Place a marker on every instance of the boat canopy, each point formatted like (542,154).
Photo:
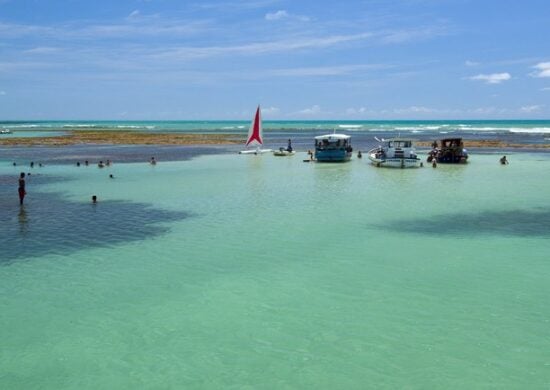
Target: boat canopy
(332,137)
(399,142)
(451,142)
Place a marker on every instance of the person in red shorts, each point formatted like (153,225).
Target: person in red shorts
(22,191)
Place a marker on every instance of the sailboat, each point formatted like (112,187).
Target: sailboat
(255,135)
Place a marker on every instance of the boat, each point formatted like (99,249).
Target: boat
(285,152)
(395,153)
(5,131)
(449,151)
(333,148)
(255,135)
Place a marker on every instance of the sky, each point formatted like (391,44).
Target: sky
(216,60)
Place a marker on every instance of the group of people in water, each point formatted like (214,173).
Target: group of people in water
(22,184)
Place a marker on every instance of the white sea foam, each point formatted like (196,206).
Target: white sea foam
(350,126)
(417,128)
(539,130)
(82,125)
(28,126)
(134,127)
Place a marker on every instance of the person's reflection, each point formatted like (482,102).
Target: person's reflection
(22,218)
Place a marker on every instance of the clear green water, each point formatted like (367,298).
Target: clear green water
(265,272)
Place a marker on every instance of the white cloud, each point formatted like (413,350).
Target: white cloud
(188,53)
(270,110)
(471,63)
(545,89)
(414,110)
(532,108)
(494,78)
(2,93)
(326,70)
(410,35)
(491,111)
(42,50)
(281,14)
(356,111)
(543,70)
(314,110)
(134,14)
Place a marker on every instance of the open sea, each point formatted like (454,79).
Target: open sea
(214,270)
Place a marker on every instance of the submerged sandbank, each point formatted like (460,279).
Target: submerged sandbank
(126,137)
(130,137)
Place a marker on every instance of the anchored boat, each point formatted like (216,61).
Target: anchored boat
(449,151)
(395,153)
(285,152)
(333,148)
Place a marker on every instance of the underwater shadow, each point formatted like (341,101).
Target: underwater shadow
(518,223)
(53,225)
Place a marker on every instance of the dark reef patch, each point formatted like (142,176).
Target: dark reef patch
(50,224)
(519,223)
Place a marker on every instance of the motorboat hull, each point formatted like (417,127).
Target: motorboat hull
(394,162)
(283,153)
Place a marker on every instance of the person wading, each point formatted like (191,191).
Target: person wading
(22,191)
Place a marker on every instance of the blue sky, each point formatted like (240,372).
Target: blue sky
(357,60)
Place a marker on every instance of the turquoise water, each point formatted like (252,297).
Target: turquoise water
(229,271)
(24,128)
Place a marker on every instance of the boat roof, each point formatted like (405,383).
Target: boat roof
(399,139)
(333,136)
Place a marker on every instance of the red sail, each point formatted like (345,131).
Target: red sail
(255,132)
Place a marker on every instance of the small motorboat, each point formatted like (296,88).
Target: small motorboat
(395,153)
(285,152)
(282,152)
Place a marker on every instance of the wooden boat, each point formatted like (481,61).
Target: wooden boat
(449,151)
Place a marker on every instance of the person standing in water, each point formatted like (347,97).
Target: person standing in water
(22,191)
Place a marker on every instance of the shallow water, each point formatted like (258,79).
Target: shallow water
(265,272)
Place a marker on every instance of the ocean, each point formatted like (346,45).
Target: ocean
(218,270)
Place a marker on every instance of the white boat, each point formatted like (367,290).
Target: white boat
(5,131)
(255,137)
(283,152)
(395,153)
